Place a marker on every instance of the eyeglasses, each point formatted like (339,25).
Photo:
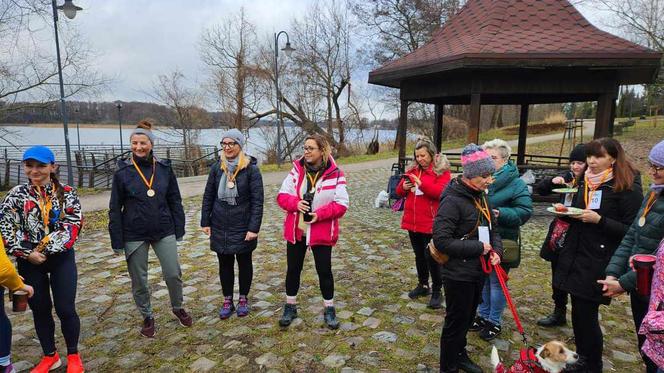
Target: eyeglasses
(227,144)
(654,168)
(309,148)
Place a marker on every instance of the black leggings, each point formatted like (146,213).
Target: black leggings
(559,296)
(424,262)
(322,257)
(227,272)
(461,300)
(588,336)
(59,273)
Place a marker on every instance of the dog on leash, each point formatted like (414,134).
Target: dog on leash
(552,357)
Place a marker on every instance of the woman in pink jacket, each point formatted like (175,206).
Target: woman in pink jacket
(314,197)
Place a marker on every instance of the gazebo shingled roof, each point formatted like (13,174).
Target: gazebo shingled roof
(518,52)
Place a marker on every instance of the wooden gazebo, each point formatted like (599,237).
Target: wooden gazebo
(517,52)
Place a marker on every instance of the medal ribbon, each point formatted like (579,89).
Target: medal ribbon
(140,173)
(484,209)
(588,195)
(651,201)
(45,205)
(312,181)
(225,169)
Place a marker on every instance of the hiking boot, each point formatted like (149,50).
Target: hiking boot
(464,363)
(434,302)
(419,291)
(74,363)
(47,363)
(8,368)
(557,318)
(330,316)
(490,331)
(290,314)
(478,324)
(242,307)
(148,329)
(227,309)
(183,317)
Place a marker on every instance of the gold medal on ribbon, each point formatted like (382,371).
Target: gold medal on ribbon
(151,192)
(230,185)
(642,221)
(652,197)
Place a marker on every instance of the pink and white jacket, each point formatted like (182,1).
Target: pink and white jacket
(330,204)
(652,325)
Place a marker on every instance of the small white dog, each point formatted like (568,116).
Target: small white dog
(552,357)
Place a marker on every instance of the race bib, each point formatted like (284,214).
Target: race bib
(483,234)
(595,201)
(569,197)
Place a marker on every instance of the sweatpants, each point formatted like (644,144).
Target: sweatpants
(461,300)
(295,254)
(136,253)
(424,263)
(227,272)
(57,274)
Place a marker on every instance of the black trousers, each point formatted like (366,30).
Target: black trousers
(295,254)
(559,296)
(423,262)
(588,336)
(227,272)
(639,310)
(57,274)
(461,300)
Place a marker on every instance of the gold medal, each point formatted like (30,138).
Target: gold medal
(151,193)
(147,183)
(230,185)
(642,221)
(651,201)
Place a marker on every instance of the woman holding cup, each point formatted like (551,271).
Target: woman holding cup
(643,237)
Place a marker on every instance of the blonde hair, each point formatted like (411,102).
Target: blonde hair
(440,162)
(322,144)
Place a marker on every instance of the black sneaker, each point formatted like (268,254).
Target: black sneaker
(466,364)
(435,301)
(490,331)
(148,329)
(330,317)
(478,324)
(290,314)
(419,291)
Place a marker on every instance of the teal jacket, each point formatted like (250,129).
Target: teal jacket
(638,240)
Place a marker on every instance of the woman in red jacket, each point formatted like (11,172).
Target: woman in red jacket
(422,186)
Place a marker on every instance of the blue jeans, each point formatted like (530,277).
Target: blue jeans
(493,300)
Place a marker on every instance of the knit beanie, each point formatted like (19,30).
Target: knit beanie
(234,134)
(578,154)
(476,162)
(656,155)
(144,127)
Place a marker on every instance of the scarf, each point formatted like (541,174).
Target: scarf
(600,178)
(225,193)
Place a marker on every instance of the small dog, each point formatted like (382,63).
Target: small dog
(552,357)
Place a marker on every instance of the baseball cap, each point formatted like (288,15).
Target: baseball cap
(39,153)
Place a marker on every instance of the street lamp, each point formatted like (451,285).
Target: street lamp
(118,105)
(69,9)
(280,121)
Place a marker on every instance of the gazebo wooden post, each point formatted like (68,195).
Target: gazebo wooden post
(605,114)
(523,134)
(438,126)
(474,120)
(402,130)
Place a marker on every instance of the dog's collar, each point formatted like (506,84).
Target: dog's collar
(529,359)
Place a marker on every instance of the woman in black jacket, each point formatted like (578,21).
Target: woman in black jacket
(463,231)
(610,196)
(231,215)
(146,210)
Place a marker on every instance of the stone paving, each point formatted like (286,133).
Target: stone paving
(381,329)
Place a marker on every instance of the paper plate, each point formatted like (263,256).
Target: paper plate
(570,211)
(565,190)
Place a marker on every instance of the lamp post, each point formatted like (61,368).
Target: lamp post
(280,121)
(118,105)
(69,9)
(78,131)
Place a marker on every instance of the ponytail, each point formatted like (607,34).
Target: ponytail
(60,190)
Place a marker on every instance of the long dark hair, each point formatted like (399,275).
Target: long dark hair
(623,169)
(60,190)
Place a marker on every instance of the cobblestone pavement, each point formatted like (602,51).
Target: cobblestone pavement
(373,264)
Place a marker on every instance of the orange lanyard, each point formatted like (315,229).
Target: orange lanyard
(484,209)
(651,201)
(225,169)
(312,181)
(45,205)
(140,173)
(588,195)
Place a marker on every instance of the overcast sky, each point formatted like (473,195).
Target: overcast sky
(137,40)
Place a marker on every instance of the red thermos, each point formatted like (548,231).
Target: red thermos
(644,265)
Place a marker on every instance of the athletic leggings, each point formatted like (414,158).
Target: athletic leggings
(5,327)
(227,272)
(59,274)
(322,257)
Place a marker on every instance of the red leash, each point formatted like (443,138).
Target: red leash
(487,267)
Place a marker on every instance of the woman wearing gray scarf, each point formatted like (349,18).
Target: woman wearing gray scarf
(231,215)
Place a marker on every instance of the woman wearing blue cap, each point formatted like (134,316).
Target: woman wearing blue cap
(146,210)
(47,216)
(231,215)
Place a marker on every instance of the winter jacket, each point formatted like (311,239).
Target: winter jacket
(9,278)
(654,319)
(638,240)
(588,247)
(510,196)
(455,235)
(229,224)
(22,225)
(420,210)
(133,216)
(330,204)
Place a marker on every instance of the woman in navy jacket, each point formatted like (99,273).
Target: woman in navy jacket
(231,215)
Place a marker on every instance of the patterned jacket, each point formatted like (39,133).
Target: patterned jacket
(22,225)
(653,323)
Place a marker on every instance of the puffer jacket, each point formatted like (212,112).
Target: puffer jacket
(229,224)
(638,240)
(419,211)
(133,216)
(654,343)
(454,233)
(330,204)
(588,247)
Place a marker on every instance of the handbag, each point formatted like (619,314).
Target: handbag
(558,234)
(439,257)
(511,251)
(399,204)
